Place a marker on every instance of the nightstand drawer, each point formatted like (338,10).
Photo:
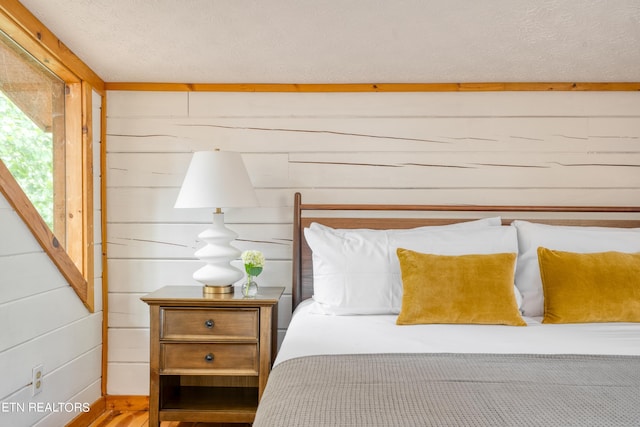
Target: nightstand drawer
(220,358)
(209,324)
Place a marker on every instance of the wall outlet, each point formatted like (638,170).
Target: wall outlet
(36,378)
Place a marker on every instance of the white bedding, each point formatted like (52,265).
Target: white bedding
(316,334)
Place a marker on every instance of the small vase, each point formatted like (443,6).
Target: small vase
(249,288)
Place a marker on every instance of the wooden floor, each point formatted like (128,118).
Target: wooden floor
(141,419)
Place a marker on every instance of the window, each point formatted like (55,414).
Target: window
(46,145)
(32,134)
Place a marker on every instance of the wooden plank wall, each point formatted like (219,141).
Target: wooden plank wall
(528,148)
(42,321)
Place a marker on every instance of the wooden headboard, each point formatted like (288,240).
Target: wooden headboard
(409,216)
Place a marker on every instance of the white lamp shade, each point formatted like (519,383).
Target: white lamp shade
(216,179)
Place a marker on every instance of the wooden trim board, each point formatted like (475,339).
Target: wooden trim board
(40,230)
(127,403)
(375,87)
(85,418)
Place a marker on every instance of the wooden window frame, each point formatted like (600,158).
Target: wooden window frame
(76,259)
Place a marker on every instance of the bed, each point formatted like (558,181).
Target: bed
(460,316)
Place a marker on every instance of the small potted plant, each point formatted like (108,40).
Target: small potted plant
(253,264)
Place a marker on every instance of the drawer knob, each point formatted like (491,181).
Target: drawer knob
(209,324)
(209,357)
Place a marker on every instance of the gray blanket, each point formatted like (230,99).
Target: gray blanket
(452,390)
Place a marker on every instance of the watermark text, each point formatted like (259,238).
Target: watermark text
(44,407)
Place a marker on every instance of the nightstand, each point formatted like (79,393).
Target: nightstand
(210,354)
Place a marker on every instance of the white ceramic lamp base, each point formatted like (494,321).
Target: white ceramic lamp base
(218,275)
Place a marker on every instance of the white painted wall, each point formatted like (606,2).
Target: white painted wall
(525,148)
(42,321)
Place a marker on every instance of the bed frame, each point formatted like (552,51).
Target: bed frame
(409,216)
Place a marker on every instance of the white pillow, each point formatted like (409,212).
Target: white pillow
(357,271)
(564,238)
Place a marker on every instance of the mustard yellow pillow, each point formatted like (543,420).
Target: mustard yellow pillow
(595,287)
(470,289)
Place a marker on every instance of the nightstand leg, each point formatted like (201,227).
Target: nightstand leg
(154,368)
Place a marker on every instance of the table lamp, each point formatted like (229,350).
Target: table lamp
(217,179)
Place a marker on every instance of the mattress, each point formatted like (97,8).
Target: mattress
(317,334)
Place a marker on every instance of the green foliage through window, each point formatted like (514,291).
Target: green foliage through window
(27,151)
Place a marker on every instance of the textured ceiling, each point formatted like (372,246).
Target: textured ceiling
(350,41)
